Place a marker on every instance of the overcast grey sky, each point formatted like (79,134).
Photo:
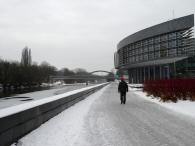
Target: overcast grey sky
(78,33)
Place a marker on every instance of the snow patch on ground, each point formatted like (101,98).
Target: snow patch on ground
(67,126)
(185,107)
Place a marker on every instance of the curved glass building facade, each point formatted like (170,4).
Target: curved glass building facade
(162,51)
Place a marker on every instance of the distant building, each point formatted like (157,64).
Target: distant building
(163,51)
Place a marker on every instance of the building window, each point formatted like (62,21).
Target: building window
(157,47)
(145,42)
(140,57)
(145,49)
(181,51)
(136,58)
(133,46)
(151,55)
(133,52)
(146,56)
(172,52)
(163,49)
(157,54)
(172,36)
(179,34)
(179,43)
(141,50)
(150,41)
(130,59)
(136,51)
(157,40)
(138,45)
(191,50)
(133,59)
(151,48)
(163,53)
(130,53)
(164,38)
(172,44)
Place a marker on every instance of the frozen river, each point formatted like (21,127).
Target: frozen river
(100,120)
(27,97)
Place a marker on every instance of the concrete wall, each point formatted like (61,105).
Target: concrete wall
(15,126)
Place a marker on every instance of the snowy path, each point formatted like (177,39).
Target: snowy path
(100,120)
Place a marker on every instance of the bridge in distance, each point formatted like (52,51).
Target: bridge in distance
(90,76)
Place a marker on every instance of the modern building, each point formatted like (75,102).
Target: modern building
(163,51)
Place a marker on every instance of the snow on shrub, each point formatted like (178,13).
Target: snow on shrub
(171,89)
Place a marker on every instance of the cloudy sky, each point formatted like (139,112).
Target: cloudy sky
(79,33)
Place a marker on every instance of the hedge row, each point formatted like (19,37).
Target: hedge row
(172,89)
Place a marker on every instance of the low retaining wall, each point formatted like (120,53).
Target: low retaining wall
(15,122)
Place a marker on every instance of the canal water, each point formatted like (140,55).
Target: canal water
(20,91)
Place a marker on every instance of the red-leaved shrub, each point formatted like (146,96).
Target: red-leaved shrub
(171,89)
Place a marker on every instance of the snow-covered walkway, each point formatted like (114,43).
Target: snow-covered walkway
(100,120)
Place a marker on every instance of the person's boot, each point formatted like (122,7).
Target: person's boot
(124,100)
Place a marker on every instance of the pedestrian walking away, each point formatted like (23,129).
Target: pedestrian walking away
(122,89)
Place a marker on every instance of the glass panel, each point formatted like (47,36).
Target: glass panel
(133,52)
(163,49)
(172,36)
(164,38)
(179,35)
(145,56)
(136,51)
(181,51)
(145,42)
(140,57)
(172,44)
(136,58)
(145,49)
(130,53)
(157,47)
(157,54)
(133,59)
(141,50)
(157,40)
(179,43)
(138,45)
(150,41)
(172,52)
(151,55)
(151,48)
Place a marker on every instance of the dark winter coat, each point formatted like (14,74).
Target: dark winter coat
(122,87)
